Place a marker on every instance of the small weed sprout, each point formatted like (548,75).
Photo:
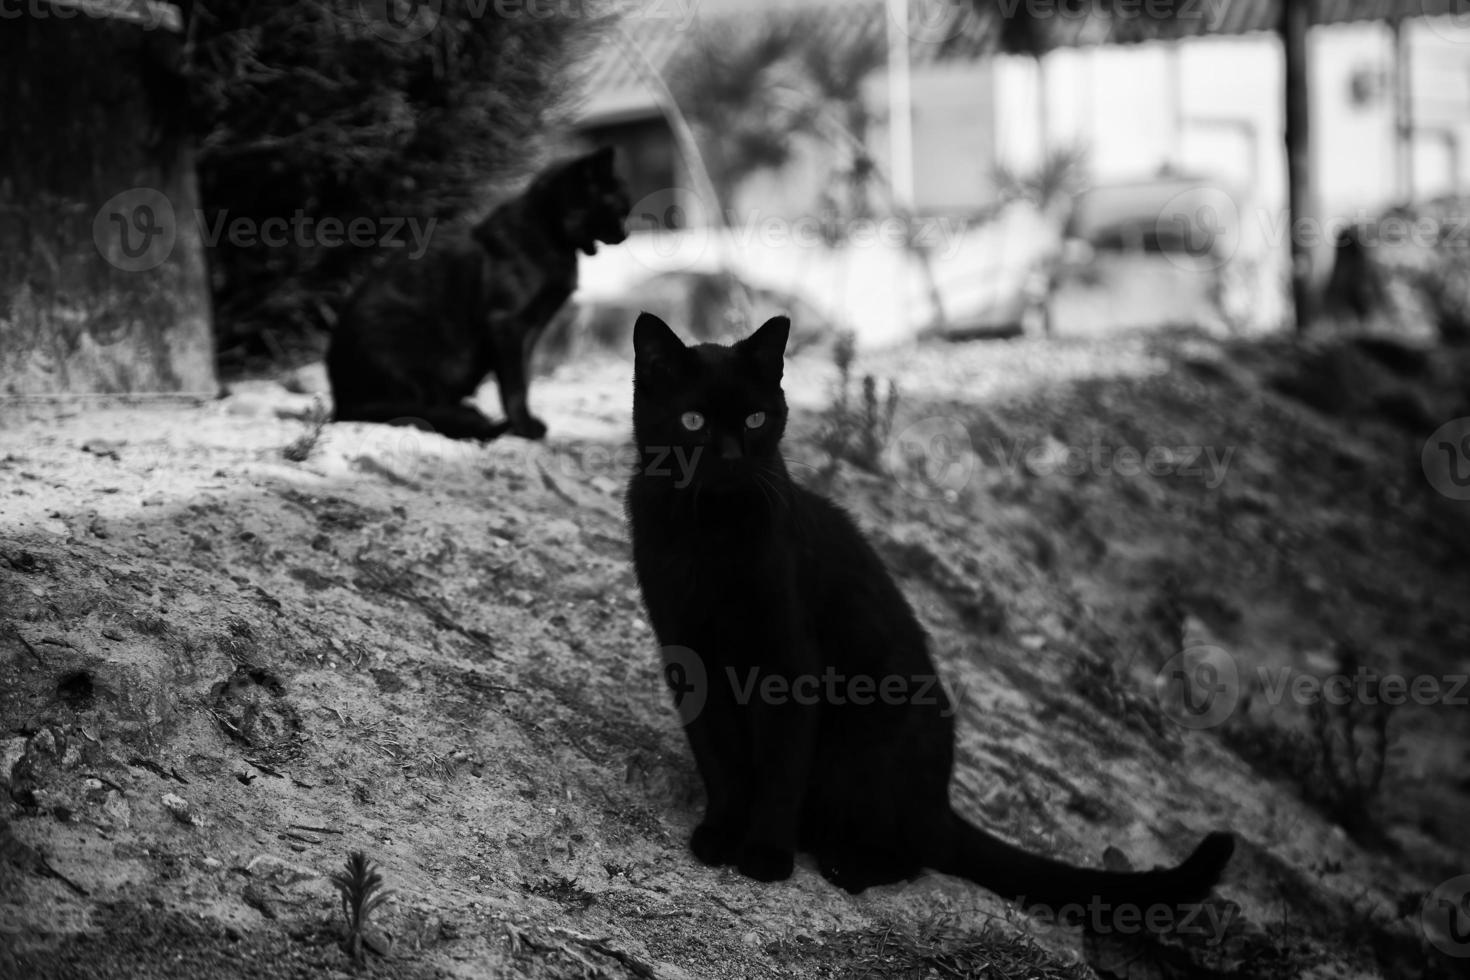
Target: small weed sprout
(855,432)
(362,891)
(316,420)
(1352,738)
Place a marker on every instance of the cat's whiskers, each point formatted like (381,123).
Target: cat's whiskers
(801,462)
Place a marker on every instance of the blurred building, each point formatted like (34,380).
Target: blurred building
(1203,98)
(1174,126)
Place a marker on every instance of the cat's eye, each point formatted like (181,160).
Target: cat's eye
(755,420)
(692,421)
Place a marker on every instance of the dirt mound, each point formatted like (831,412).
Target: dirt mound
(222,671)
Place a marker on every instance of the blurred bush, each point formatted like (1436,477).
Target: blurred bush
(384,109)
(1410,266)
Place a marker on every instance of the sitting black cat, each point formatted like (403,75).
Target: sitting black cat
(821,728)
(418,338)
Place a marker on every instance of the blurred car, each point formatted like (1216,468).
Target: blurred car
(1144,254)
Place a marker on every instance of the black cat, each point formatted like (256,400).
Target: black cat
(821,728)
(419,337)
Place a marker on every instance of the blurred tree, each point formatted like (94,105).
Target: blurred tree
(380,109)
(739,85)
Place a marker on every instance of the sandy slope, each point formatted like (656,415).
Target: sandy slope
(221,671)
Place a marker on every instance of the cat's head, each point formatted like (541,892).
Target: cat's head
(715,411)
(589,198)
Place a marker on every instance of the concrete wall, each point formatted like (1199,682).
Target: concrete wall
(103,286)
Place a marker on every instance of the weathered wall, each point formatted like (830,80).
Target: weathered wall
(103,286)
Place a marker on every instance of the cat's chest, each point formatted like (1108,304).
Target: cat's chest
(719,581)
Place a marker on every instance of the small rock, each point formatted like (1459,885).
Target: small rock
(11,751)
(211,864)
(279,869)
(43,742)
(113,633)
(104,448)
(181,810)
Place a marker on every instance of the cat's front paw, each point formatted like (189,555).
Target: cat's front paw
(713,846)
(764,862)
(529,427)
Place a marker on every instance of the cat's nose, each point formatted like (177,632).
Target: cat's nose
(730,448)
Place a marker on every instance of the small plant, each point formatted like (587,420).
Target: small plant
(316,420)
(1353,740)
(1338,761)
(856,432)
(362,891)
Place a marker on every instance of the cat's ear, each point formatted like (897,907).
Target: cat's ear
(656,348)
(767,346)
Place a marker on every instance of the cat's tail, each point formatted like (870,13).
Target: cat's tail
(1013,873)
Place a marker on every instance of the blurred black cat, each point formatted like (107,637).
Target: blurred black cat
(808,693)
(419,337)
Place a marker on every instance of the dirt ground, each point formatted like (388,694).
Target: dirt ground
(221,671)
